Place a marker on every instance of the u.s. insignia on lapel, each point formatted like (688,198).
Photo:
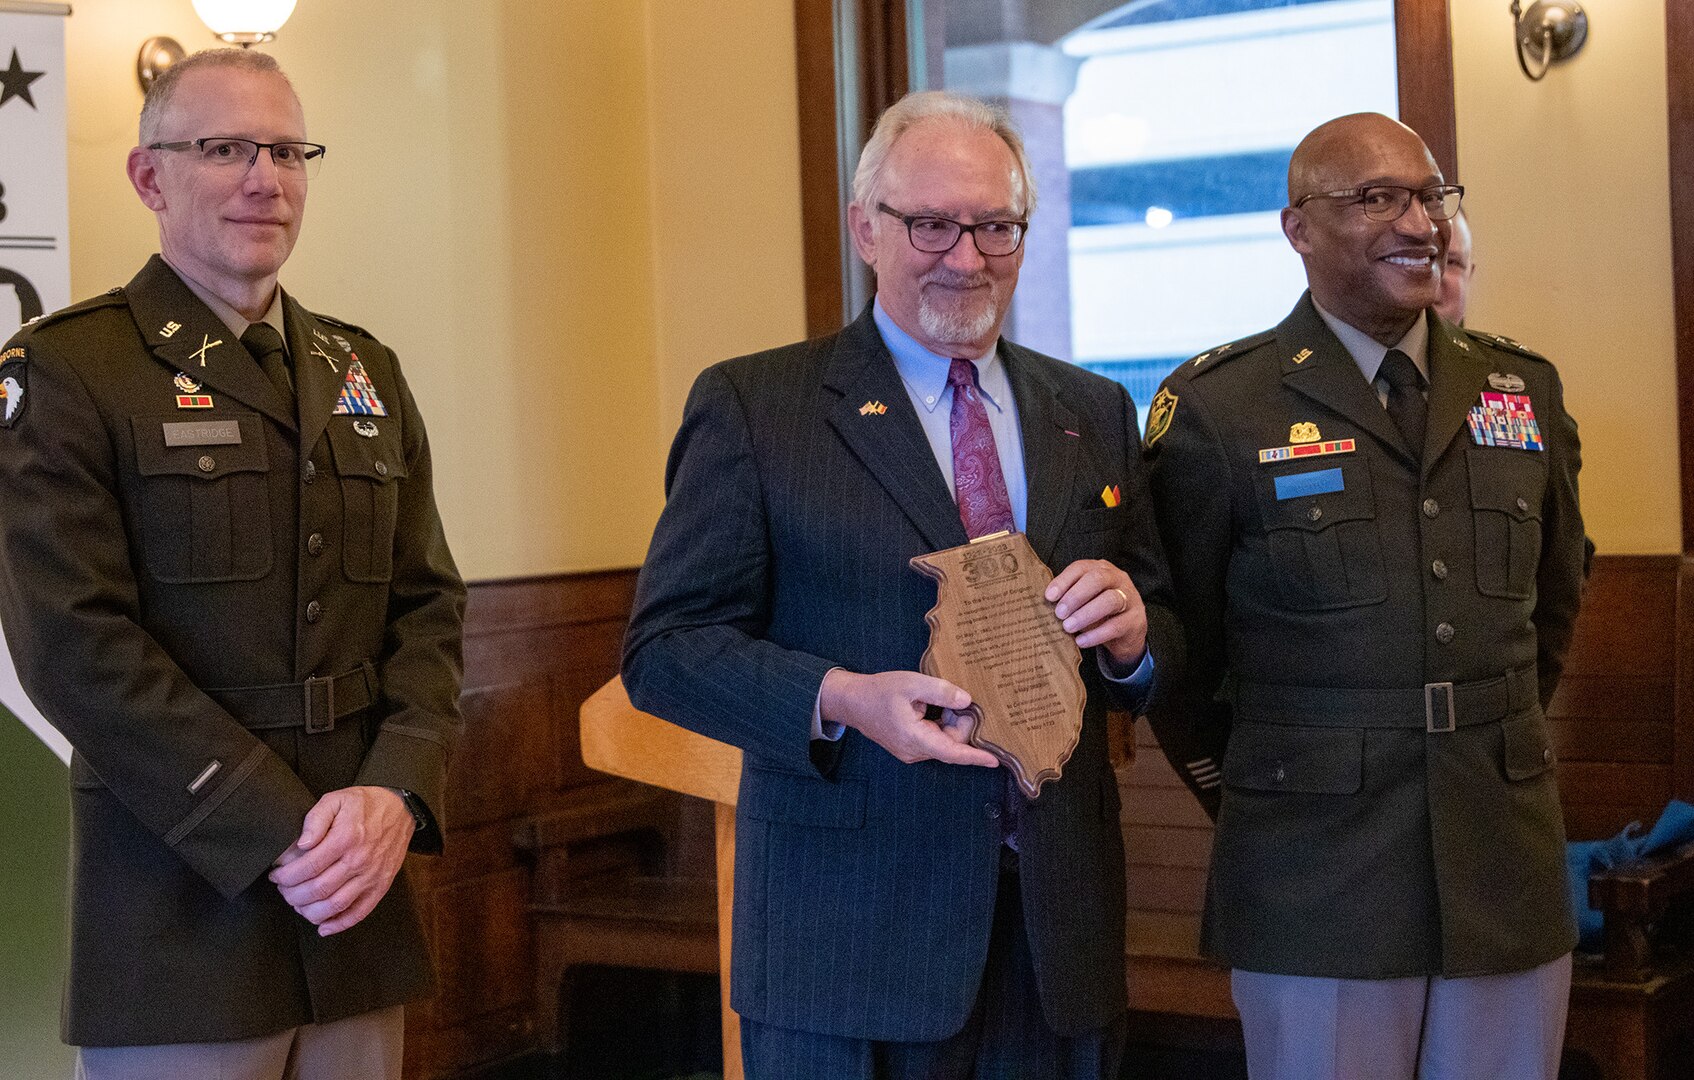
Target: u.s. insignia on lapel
(358,396)
(1302,356)
(872,408)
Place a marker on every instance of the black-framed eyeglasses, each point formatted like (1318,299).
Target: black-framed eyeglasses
(292,159)
(1386,202)
(937,235)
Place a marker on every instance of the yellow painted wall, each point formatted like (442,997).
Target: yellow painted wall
(1567,185)
(556,213)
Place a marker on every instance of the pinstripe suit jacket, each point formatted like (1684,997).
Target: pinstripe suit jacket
(864,888)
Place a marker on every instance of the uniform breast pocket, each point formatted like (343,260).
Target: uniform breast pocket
(369,469)
(1320,528)
(205,510)
(1506,489)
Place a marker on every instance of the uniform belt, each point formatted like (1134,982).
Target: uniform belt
(1434,707)
(315,704)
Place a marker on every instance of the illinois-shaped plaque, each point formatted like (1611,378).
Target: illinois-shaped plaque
(993,632)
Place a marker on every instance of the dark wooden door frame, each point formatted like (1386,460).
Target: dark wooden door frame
(868,38)
(1679,74)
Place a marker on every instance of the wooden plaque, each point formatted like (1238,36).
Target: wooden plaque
(993,633)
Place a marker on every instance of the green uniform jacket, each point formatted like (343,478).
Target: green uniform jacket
(1328,598)
(145,571)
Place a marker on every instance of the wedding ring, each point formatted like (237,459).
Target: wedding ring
(1123,607)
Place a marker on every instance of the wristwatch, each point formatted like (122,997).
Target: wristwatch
(415,807)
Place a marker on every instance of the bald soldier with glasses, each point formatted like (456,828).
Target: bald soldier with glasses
(1372,525)
(223,578)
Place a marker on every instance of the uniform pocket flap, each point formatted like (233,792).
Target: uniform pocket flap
(1310,760)
(1310,495)
(1529,751)
(373,457)
(208,461)
(1509,481)
(795,799)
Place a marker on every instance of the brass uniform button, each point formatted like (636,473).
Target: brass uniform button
(382,468)
(1439,569)
(315,544)
(1315,513)
(1523,505)
(314,611)
(311,470)
(1431,508)
(206,463)
(1444,633)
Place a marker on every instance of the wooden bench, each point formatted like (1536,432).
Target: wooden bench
(599,896)
(1632,1008)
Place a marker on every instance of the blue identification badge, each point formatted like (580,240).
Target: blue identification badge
(1321,482)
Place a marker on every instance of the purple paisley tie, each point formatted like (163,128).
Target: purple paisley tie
(985,508)
(978,483)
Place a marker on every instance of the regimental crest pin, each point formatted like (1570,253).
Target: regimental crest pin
(1506,383)
(1304,432)
(1160,414)
(186,383)
(872,408)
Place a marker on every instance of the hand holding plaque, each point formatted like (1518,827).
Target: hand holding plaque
(993,632)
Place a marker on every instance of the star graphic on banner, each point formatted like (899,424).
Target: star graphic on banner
(14,82)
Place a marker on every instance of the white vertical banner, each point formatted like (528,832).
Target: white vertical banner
(35,263)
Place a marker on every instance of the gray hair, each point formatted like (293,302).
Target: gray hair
(936,106)
(158,99)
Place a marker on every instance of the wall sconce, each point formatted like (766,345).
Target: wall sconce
(1554,30)
(235,22)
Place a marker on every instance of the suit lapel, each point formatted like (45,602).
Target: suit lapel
(185,336)
(1457,377)
(320,368)
(891,445)
(1049,455)
(1316,365)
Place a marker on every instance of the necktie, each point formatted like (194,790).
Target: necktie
(1406,406)
(984,507)
(978,483)
(262,340)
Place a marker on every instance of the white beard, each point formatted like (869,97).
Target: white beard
(957,326)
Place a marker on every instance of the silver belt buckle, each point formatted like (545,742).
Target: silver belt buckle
(320,704)
(1438,718)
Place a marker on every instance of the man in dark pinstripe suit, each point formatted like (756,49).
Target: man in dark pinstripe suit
(898,912)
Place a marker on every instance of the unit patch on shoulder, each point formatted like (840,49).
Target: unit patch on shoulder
(14,383)
(13,354)
(1160,415)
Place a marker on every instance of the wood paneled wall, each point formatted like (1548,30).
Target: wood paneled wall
(534,650)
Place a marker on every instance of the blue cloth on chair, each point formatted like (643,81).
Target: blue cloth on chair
(1584,858)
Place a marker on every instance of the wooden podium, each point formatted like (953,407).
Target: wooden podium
(620,739)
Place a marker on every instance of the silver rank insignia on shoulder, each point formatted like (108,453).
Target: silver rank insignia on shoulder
(365,428)
(186,383)
(1506,384)
(169,329)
